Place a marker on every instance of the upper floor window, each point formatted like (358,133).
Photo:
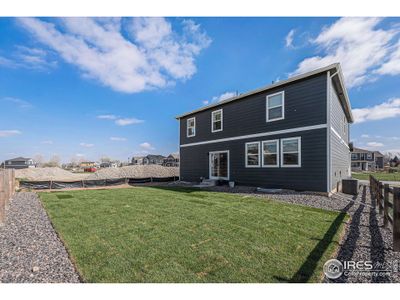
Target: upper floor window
(354,156)
(276,106)
(252,154)
(191,127)
(369,155)
(270,150)
(216,120)
(291,152)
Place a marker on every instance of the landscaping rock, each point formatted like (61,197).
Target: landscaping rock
(30,250)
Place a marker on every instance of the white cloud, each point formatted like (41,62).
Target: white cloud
(29,58)
(79,155)
(389,109)
(392,66)
(357,44)
(17,101)
(86,145)
(128,121)
(220,98)
(107,117)
(146,146)
(224,96)
(6,62)
(154,55)
(118,139)
(48,142)
(375,144)
(8,133)
(289,39)
(365,136)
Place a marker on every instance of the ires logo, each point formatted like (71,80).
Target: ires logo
(334,268)
(359,265)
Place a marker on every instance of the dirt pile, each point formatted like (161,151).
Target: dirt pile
(136,171)
(58,174)
(43,174)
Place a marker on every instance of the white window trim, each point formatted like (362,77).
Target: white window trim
(298,138)
(194,127)
(283,106)
(259,151)
(212,120)
(277,154)
(209,165)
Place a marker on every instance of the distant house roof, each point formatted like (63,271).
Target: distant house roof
(174,155)
(19,159)
(155,156)
(359,150)
(338,81)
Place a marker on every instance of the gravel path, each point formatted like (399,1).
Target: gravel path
(30,250)
(365,239)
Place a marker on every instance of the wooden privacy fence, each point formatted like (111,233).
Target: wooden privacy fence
(7,190)
(388,201)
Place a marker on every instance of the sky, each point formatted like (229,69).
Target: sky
(92,87)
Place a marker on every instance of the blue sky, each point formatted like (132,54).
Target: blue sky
(93,87)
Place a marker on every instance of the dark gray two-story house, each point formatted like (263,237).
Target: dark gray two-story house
(364,160)
(293,134)
(18,163)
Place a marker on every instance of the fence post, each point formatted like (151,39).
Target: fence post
(380,197)
(371,189)
(13,181)
(396,219)
(6,185)
(386,205)
(2,198)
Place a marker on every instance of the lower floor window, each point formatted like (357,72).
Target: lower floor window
(253,154)
(291,152)
(274,153)
(270,153)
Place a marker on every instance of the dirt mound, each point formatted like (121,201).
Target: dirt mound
(136,171)
(43,174)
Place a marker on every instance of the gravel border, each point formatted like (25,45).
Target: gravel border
(30,250)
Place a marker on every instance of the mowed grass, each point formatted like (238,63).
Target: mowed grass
(378,175)
(150,234)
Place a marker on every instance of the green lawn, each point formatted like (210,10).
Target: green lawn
(377,175)
(150,234)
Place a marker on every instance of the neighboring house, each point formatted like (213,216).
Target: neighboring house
(87,164)
(394,162)
(153,159)
(109,165)
(364,160)
(171,160)
(137,160)
(293,134)
(19,163)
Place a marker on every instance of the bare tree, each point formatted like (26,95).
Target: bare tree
(53,162)
(38,158)
(105,159)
